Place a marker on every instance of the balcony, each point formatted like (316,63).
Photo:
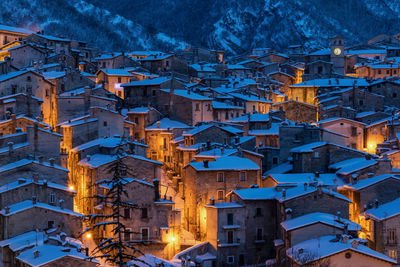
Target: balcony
(231,226)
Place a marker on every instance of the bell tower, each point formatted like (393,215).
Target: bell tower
(337,54)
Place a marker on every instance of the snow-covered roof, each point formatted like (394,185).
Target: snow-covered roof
(324,247)
(53,74)
(148,82)
(23,182)
(334,119)
(265,193)
(332,82)
(225,205)
(319,217)
(48,253)
(301,178)
(384,211)
(187,94)
(28,204)
(308,147)
(156,57)
(140,110)
(167,123)
(230,163)
(24,240)
(198,129)
(52,38)
(108,56)
(349,166)
(273,130)
(11,75)
(116,72)
(250,98)
(257,117)
(371,181)
(216,152)
(109,142)
(151,260)
(24,162)
(14,29)
(222,105)
(202,68)
(97,160)
(281,168)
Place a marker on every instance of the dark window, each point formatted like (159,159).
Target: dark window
(119,79)
(220,177)
(361,102)
(230,237)
(353,131)
(394,95)
(136,120)
(28,78)
(274,160)
(226,115)
(144,213)
(259,234)
(104,123)
(258,212)
(145,234)
(127,234)
(197,107)
(379,72)
(50,224)
(230,218)
(220,194)
(127,213)
(154,92)
(319,69)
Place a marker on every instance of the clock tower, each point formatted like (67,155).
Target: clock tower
(337,54)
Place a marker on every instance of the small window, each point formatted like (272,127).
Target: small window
(394,95)
(316,154)
(353,131)
(230,218)
(145,233)
(197,106)
(28,78)
(136,120)
(230,237)
(220,177)
(361,103)
(154,92)
(259,235)
(392,237)
(104,123)
(242,176)
(274,160)
(52,198)
(230,259)
(379,72)
(144,214)
(393,253)
(119,80)
(50,224)
(127,213)
(127,234)
(258,212)
(220,194)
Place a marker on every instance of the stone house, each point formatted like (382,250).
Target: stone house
(336,251)
(68,79)
(185,106)
(31,83)
(153,226)
(201,71)
(9,34)
(159,136)
(115,61)
(142,117)
(251,103)
(44,170)
(297,111)
(314,225)
(113,78)
(317,70)
(389,88)
(56,44)
(383,231)
(164,63)
(20,104)
(224,112)
(225,223)
(24,55)
(351,128)
(214,179)
(378,132)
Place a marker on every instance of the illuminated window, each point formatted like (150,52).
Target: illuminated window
(393,254)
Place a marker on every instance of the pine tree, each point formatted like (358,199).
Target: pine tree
(114,249)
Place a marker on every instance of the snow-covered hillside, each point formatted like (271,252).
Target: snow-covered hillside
(232,25)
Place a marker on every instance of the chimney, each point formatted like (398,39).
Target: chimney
(345,239)
(376,203)
(10,147)
(354,243)
(212,201)
(316,175)
(7,210)
(156,184)
(319,189)
(51,160)
(205,163)
(34,200)
(36,254)
(41,159)
(158,124)
(88,157)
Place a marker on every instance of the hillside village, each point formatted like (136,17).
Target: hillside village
(270,158)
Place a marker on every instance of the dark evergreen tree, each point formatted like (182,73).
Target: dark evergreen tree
(114,249)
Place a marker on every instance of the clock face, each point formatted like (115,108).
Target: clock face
(337,51)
